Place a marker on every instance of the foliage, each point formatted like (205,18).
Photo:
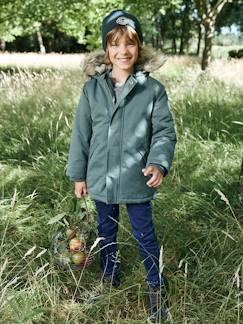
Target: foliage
(231,14)
(176,21)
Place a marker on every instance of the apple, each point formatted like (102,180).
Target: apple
(75,244)
(78,257)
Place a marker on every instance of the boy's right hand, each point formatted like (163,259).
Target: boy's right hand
(81,189)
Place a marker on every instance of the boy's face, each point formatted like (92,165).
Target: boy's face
(123,53)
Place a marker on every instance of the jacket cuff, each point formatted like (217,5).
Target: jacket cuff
(161,167)
(77,179)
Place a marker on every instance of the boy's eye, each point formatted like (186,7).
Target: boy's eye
(116,44)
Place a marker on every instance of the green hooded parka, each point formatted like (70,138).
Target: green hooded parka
(112,142)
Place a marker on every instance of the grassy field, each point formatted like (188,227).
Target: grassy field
(198,213)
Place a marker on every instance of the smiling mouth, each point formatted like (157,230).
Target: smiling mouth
(124,59)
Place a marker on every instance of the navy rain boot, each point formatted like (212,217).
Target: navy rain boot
(159,307)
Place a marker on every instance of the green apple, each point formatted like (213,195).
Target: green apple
(78,257)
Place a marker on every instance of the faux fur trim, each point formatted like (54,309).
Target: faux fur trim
(149,61)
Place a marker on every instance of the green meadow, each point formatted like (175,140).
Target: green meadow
(198,212)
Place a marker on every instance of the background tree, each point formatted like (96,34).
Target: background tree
(231,14)
(185,25)
(161,20)
(79,19)
(66,25)
(208,11)
(10,24)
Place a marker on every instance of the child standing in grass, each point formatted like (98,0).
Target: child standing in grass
(122,146)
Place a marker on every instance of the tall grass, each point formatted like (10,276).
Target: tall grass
(198,214)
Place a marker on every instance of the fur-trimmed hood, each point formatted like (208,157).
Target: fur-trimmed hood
(149,62)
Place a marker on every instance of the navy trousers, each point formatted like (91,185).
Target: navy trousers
(143,230)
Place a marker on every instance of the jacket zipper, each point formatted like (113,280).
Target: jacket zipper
(109,95)
(121,156)
(113,101)
(121,143)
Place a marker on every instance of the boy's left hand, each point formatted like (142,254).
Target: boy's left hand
(157,176)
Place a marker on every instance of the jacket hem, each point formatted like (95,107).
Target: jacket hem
(122,200)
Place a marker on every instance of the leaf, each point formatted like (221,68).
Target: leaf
(3,267)
(56,218)
(161,263)
(181,263)
(14,199)
(222,196)
(23,220)
(227,234)
(96,243)
(13,282)
(29,252)
(65,222)
(41,253)
(237,122)
(81,215)
(41,269)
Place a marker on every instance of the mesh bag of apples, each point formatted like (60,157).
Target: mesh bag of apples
(70,247)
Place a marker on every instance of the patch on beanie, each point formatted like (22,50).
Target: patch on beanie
(125,21)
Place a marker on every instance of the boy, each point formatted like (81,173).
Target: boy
(124,132)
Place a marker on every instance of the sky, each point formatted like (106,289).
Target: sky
(233,29)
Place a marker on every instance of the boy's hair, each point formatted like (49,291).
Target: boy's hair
(116,33)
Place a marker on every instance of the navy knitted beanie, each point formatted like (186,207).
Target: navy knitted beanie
(120,18)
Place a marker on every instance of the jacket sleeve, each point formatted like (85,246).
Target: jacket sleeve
(80,140)
(164,137)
